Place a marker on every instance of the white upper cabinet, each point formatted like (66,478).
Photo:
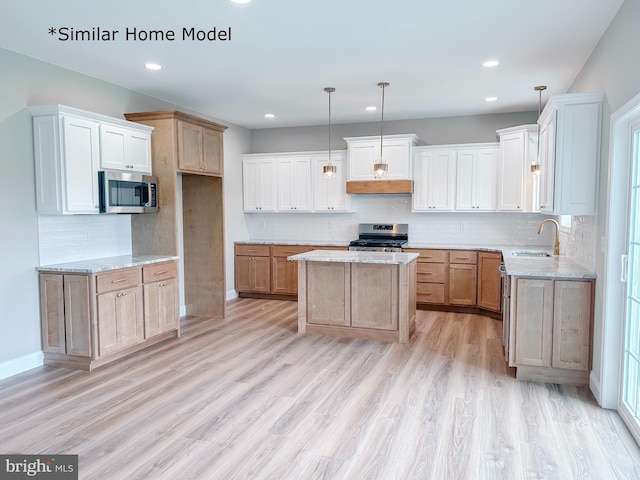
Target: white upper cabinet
(294,185)
(518,150)
(364,152)
(66,162)
(259,184)
(330,194)
(68,148)
(434,176)
(570,128)
(294,182)
(125,148)
(476,168)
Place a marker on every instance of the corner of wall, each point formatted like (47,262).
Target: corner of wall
(21,364)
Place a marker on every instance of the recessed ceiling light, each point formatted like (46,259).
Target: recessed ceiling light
(152,66)
(240,1)
(491,63)
(491,99)
(269,115)
(371,109)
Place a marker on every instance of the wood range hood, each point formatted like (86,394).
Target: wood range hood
(380,186)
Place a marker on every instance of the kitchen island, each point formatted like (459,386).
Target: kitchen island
(357,294)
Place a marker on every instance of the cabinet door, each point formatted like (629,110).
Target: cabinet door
(113,140)
(120,320)
(81,153)
(253,274)
(362,155)
(330,194)
(139,151)
(160,307)
(511,179)
(77,314)
(462,284)
(259,185)
(294,184)
(489,281)
(571,325)
(465,180)
(189,147)
(328,293)
(434,180)
(284,276)
(547,164)
(52,312)
(212,151)
(533,322)
(485,179)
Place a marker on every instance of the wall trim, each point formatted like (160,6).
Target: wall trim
(231,294)
(21,364)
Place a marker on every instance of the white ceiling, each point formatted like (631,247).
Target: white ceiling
(282,53)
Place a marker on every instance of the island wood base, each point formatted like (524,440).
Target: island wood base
(361,300)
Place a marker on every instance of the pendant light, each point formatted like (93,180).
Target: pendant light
(380,168)
(329,169)
(535,167)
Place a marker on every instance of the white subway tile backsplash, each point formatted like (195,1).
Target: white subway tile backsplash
(81,237)
(475,228)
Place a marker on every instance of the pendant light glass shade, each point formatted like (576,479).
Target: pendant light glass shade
(329,170)
(535,167)
(380,168)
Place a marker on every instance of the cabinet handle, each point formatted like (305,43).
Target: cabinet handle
(119,280)
(461,258)
(161,273)
(122,294)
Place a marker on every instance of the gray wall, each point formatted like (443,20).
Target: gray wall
(613,69)
(25,81)
(430,131)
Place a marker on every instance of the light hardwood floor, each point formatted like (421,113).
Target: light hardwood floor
(248,397)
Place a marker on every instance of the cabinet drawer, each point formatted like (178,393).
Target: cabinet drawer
(159,271)
(463,256)
(429,256)
(430,293)
(287,250)
(431,272)
(117,280)
(253,250)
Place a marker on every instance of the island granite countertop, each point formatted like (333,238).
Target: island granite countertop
(97,265)
(389,258)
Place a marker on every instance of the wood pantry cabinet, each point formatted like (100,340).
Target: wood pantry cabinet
(91,319)
(200,147)
(550,334)
(185,152)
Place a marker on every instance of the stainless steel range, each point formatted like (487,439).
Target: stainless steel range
(381,237)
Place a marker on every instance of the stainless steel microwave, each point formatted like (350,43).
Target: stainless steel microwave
(122,192)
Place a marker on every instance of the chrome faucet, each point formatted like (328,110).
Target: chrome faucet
(556,250)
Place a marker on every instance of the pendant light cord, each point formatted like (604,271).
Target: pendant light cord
(329,91)
(382,117)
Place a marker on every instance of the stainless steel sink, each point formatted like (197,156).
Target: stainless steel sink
(530,253)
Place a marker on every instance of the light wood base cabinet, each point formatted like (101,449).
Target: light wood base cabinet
(550,335)
(92,319)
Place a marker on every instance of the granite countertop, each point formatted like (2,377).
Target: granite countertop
(551,267)
(325,243)
(389,258)
(97,265)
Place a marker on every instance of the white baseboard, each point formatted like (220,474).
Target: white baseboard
(231,294)
(594,385)
(21,364)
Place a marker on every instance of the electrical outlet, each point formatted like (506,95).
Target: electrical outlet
(463,226)
(85,235)
(263,224)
